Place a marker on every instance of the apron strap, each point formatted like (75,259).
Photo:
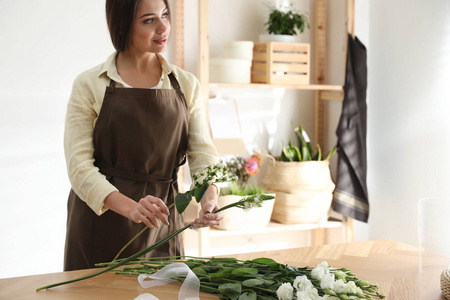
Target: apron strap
(140,177)
(175,84)
(111,83)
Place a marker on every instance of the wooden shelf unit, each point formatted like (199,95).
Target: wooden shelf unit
(323,92)
(210,241)
(309,87)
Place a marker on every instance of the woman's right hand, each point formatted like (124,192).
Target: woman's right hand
(148,210)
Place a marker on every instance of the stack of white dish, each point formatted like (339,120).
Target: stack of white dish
(235,67)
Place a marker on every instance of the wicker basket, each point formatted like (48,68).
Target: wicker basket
(303,191)
(295,177)
(445,282)
(304,207)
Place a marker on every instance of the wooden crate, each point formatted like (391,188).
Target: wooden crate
(281,63)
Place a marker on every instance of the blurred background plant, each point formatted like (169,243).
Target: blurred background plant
(243,168)
(304,150)
(242,190)
(285,20)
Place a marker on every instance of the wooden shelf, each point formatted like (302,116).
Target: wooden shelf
(310,87)
(275,236)
(274,227)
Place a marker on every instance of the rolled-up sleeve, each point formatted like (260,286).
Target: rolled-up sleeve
(86,180)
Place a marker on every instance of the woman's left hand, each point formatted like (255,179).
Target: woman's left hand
(208,205)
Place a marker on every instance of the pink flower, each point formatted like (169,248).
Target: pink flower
(251,166)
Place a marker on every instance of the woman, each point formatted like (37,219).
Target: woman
(130,123)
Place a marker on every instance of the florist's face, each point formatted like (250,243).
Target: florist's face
(151,27)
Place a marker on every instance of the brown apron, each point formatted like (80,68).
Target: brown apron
(140,140)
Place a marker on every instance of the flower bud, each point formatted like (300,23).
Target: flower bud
(363,283)
(340,275)
(329,292)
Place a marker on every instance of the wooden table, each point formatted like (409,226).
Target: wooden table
(389,264)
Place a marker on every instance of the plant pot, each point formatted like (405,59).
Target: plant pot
(282,38)
(238,218)
(230,70)
(303,190)
(238,50)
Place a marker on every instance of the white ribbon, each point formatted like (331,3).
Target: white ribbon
(189,289)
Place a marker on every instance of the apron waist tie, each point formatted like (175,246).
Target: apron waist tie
(114,172)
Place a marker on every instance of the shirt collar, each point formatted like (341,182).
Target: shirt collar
(109,67)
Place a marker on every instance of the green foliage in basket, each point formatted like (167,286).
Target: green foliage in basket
(304,150)
(286,22)
(242,190)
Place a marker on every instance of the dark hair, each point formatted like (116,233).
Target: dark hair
(120,15)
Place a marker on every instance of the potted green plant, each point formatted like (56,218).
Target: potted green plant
(283,24)
(302,182)
(243,168)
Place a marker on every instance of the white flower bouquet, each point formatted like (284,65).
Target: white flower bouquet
(263,278)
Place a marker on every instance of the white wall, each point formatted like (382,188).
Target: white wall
(45,44)
(408,127)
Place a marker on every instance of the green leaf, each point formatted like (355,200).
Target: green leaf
(199,271)
(210,269)
(306,155)
(248,295)
(199,192)
(268,282)
(231,290)
(263,297)
(223,260)
(252,282)
(331,153)
(192,264)
(220,275)
(244,271)
(318,155)
(284,155)
(227,269)
(264,261)
(182,201)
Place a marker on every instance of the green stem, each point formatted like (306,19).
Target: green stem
(122,262)
(135,237)
(132,257)
(150,260)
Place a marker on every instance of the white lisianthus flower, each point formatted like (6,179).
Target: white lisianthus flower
(313,294)
(351,288)
(320,270)
(339,286)
(303,295)
(327,281)
(310,294)
(285,292)
(329,297)
(302,283)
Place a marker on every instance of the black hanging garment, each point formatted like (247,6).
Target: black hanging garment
(350,196)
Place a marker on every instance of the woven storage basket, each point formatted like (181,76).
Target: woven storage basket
(304,207)
(303,191)
(238,218)
(295,177)
(445,282)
